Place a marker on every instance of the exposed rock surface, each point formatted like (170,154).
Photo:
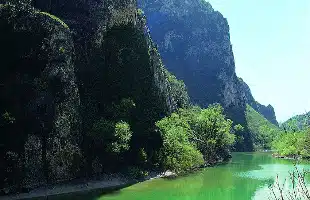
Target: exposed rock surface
(194,41)
(64,63)
(38,94)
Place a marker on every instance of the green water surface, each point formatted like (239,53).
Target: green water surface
(246,177)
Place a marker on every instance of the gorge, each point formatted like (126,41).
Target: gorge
(90,87)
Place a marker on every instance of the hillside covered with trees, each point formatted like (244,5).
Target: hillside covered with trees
(295,137)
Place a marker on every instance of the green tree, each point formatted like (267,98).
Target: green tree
(178,153)
(114,137)
(212,132)
(191,134)
(122,136)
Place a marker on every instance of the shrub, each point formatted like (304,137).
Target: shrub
(114,137)
(122,136)
(297,191)
(136,173)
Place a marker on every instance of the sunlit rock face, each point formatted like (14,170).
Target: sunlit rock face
(194,41)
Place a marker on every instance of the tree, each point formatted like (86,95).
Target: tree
(114,137)
(191,134)
(122,136)
(212,131)
(178,153)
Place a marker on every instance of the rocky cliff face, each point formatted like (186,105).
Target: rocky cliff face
(266,111)
(64,65)
(194,42)
(39,97)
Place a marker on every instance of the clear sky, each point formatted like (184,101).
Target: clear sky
(271,44)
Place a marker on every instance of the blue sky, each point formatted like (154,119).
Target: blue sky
(271,43)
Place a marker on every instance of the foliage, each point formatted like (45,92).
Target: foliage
(293,144)
(136,173)
(140,12)
(114,136)
(178,90)
(8,118)
(122,110)
(263,132)
(142,156)
(122,136)
(238,127)
(62,50)
(178,153)
(191,134)
(212,131)
(297,123)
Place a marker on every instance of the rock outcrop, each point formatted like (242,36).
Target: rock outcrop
(64,65)
(39,95)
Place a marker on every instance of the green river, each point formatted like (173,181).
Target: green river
(246,177)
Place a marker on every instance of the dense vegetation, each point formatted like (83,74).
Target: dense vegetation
(293,144)
(263,131)
(194,136)
(295,138)
(297,123)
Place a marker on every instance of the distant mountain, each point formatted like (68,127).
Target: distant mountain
(297,123)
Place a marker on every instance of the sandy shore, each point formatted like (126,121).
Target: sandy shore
(109,182)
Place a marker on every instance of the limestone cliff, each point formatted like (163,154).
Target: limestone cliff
(64,65)
(194,42)
(39,97)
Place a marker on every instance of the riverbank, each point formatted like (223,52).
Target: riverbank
(100,185)
(106,183)
(292,157)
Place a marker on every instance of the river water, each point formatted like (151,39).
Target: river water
(246,177)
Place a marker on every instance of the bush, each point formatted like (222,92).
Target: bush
(115,137)
(297,191)
(122,136)
(212,131)
(136,173)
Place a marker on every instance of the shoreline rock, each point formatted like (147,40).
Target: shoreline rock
(287,157)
